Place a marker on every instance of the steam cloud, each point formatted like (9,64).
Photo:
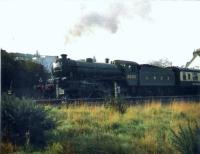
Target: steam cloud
(109,21)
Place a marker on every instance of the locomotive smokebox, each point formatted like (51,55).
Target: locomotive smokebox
(107,60)
(64,56)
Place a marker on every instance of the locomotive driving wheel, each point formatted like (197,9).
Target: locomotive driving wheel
(95,91)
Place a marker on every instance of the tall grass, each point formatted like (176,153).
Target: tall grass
(145,128)
(142,128)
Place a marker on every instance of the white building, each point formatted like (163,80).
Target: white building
(46,61)
(195,61)
(195,64)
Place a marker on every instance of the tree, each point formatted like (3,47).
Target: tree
(7,70)
(161,63)
(23,74)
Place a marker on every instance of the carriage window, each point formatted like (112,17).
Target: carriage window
(184,76)
(154,77)
(146,78)
(168,78)
(195,77)
(161,78)
(189,77)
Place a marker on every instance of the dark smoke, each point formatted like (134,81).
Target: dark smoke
(109,21)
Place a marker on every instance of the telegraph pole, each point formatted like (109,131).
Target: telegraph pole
(117,90)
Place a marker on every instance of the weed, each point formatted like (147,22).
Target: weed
(187,140)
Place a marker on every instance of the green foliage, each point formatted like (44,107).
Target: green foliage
(7,70)
(24,122)
(22,75)
(187,140)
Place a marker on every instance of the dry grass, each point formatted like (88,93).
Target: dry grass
(141,129)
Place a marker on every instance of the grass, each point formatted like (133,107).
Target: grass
(141,129)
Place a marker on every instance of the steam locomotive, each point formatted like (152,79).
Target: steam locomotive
(88,79)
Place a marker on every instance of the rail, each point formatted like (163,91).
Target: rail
(128,100)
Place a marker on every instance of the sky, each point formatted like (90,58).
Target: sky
(135,30)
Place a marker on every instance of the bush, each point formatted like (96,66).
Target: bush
(187,140)
(24,122)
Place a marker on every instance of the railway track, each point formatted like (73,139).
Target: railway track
(127,100)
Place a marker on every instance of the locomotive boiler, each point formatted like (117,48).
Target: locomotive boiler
(85,78)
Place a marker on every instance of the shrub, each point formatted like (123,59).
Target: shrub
(24,122)
(187,140)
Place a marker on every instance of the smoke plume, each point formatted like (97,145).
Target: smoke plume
(110,20)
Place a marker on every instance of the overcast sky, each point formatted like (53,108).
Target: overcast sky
(137,30)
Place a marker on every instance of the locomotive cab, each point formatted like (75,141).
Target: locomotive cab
(130,71)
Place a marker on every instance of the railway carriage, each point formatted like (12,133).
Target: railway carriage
(187,81)
(155,81)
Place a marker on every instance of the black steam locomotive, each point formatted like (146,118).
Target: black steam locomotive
(88,79)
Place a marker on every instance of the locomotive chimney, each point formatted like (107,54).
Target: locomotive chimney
(64,56)
(89,60)
(107,60)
